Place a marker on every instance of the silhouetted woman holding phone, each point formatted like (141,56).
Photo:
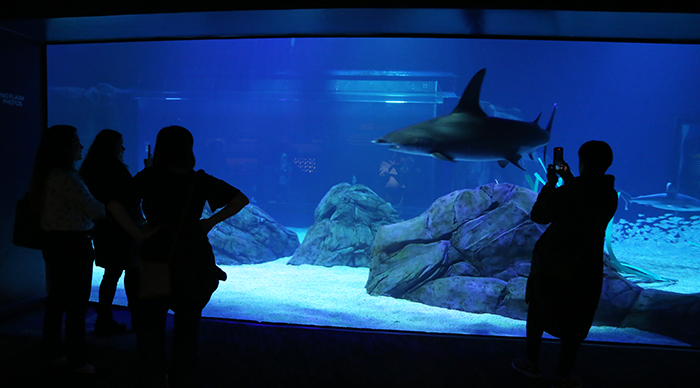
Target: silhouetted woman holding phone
(178,271)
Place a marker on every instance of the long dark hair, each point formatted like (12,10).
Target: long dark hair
(174,148)
(55,151)
(102,152)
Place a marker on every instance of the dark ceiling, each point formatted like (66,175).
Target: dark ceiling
(71,21)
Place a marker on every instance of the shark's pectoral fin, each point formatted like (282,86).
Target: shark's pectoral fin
(625,197)
(513,159)
(441,156)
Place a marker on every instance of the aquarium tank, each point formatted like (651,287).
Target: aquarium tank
(353,225)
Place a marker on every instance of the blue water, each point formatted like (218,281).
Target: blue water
(286,119)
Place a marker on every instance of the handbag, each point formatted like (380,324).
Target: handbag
(27,231)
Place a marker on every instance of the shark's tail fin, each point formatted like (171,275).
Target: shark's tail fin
(549,129)
(625,197)
(551,119)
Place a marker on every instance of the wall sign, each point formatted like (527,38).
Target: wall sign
(12,99)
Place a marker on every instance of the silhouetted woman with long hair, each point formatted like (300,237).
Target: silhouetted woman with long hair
(178,270)
(105,174)
(67,212)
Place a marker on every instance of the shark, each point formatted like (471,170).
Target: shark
(670,200)
(469,134)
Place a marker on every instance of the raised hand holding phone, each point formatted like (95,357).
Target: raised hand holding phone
(559,158)
(148,162)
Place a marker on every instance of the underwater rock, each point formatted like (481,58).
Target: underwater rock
(471,251)
(617,298)
(410,268)
(251,237)
(512,303)
(478,295)
(667,313)
(481,237)
(345,223)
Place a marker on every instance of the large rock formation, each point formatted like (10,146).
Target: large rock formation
(471,251)
(463,252)
(345,224)
(251,237)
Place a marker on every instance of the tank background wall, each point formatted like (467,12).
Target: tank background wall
(22,117)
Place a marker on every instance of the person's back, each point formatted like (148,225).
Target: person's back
(579,213)
(175,247)
(566,274)
(171,198)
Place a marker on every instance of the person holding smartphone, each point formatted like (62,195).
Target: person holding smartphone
(566,275)
(178,270)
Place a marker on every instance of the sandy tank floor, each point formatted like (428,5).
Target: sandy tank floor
(336,297)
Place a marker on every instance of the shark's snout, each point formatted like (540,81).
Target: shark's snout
(379,141)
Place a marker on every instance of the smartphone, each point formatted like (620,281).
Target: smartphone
(558,158)
(148,162)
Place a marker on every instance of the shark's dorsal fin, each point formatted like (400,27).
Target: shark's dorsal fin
(671,191)
(469,103)
(670,188)
(441,156)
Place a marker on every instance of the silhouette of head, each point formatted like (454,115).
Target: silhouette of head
(174,148)
(595,157)
(58,147)
(106,146)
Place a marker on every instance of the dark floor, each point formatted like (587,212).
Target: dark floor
(240,354)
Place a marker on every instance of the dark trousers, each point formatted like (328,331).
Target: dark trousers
(68,258)
(108,288)
(535,329)
(151,333)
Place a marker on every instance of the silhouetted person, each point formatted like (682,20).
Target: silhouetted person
(105,174)
(177,268)
(67,212)
(566,275)
(391,173)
